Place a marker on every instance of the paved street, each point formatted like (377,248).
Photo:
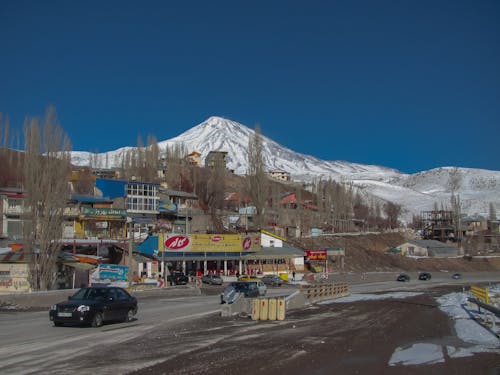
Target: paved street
(31,345)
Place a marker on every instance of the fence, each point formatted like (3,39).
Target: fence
(323,291)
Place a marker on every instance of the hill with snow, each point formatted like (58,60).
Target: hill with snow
(414,192)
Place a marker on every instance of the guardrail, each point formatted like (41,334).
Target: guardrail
(324,291)
(481,297)
(482,294)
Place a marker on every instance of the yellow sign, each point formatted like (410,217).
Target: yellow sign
(209,243)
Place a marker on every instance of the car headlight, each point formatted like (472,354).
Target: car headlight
(83,308)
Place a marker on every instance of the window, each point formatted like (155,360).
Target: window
(142,197)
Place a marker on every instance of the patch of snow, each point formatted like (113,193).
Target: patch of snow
(370,297)
(417,354)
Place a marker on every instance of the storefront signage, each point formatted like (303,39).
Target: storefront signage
(177,243)
(208,242)
(315,254)
(113,272)
(110,212)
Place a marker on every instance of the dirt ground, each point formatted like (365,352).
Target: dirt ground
(340,338)
(367,253)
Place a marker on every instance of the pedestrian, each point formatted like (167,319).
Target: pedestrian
(293,275)
(160,283)
(136,279)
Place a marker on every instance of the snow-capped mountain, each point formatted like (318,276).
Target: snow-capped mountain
(414,192)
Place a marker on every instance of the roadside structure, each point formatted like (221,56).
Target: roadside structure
(428,248)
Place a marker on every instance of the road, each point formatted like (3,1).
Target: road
(30,344)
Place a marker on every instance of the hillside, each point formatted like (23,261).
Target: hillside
(366,253)
(415,192)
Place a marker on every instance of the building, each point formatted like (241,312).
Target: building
(194,159)
(215,157)
(226,254)
(141,201)
(11,210)
(280,175)
(428,248)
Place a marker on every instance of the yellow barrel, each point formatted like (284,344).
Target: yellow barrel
(264,309)
(255,309)
(281,307)
(272,308)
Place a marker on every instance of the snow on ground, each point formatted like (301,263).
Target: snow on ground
(370,297)
(475,337)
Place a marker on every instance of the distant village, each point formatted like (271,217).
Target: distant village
(120,224)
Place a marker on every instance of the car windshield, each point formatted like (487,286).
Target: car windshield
(91,293)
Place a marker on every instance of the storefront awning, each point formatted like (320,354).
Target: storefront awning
(285,252)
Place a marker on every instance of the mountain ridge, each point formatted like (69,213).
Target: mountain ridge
(414,192)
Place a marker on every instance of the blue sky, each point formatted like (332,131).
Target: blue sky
(411,85)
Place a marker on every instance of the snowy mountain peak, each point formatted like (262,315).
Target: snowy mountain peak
(415,193)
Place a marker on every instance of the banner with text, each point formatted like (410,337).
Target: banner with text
(209,243)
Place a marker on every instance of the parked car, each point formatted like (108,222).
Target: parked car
(456,276)
(177,278)
(211,279)
(248,289)
(273,280)
(94,306)
(403,277)
(424,276)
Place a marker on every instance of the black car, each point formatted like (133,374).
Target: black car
(424,276)
(177,278)
(456,276)
(212,279)
(403,277)
(273,280)
(248,289)
(94,306)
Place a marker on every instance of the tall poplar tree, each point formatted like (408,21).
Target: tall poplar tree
(46,172)
(256,176)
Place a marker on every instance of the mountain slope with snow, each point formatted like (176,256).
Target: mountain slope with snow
(415,192)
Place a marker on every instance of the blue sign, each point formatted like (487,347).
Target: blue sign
(113,272)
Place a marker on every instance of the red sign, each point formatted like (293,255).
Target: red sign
(315,254)
(247,243)
(176,242)
(217,238)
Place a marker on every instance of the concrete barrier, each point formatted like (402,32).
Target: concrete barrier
(272,308)
(263,309)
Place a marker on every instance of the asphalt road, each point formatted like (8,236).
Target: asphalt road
(30,344)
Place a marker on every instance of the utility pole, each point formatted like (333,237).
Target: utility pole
(130,225)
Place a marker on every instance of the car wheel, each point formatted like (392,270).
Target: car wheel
(130,315)
(57,324)
(97,321)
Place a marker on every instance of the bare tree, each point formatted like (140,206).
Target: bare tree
(256,176)
(492,212)
(46,172)
(216,186)
(151,159)
(392,212)
(174,158)
(455,180)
